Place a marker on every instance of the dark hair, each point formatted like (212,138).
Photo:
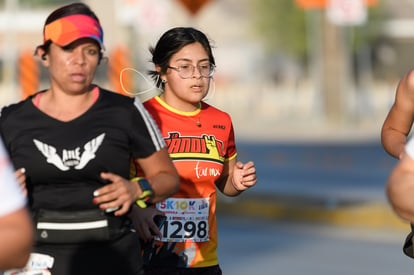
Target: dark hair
(71,9)
(171,42)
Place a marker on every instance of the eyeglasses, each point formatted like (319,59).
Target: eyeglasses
(187,71)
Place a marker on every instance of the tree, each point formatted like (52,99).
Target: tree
(280,24)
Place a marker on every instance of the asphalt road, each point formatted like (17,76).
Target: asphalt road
(255,246)
(351,171)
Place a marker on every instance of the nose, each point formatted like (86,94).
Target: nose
(77,57)
(197,72)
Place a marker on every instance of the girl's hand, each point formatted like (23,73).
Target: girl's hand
(244,176)
(143,221)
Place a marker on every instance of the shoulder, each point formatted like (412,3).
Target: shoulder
(114,96)
(405,91)
(151,103)
(14,107)
(407,82)
(409,75)
(115,102)
(214,112)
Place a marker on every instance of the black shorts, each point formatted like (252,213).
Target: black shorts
(408,248)
(121,256)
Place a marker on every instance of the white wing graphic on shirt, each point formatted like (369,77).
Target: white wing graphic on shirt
(50,153)
(90,148)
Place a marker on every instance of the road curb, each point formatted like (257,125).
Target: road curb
(372,215)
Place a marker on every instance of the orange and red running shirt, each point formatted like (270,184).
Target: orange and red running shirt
(199,143)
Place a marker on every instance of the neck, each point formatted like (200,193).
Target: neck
(180,105)
(65,107)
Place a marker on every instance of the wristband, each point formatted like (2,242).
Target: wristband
(147,191)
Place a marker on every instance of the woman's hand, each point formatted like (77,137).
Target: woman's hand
(120,194)
(143,221)
(21,179)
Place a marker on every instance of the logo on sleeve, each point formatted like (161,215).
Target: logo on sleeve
(70,158)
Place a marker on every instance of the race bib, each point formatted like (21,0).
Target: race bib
(187,220)
(38,264)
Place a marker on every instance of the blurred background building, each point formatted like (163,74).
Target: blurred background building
(286,69)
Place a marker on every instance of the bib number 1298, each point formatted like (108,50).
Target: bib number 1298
(185,231)
(187,220)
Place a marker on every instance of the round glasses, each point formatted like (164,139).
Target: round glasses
(187,71)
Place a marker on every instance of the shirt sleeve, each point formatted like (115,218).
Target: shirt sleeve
(409,148)
(231,147)
(11,195)
(152,127)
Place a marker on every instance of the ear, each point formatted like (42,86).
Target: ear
(158,69)
(43,56)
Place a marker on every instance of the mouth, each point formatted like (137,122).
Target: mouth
(197,87)
(78,77)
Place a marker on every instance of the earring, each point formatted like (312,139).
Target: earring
(43,56)
(164,81)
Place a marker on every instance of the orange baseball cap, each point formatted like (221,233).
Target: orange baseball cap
(68,29)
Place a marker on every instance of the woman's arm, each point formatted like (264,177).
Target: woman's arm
(16,238)
(400,188)
(160,171)
(122,193)
(400,118)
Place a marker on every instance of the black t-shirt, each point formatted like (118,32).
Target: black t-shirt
(63,160)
